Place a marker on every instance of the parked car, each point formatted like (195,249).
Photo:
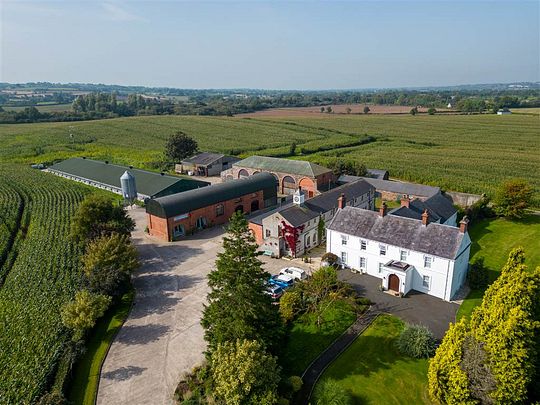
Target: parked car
(283,280)
(294,272)
(274,291)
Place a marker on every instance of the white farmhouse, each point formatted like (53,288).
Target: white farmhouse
(405,253)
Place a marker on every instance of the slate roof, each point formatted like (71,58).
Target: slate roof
(182,203)
(297,215)
(434,239)
(439,208)
(377,173)
(203,158)
(148,183)
(271,164)
(397,187)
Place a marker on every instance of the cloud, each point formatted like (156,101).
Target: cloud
(115,12)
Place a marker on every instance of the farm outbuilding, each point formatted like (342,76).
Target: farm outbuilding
(290,174)
(106,175)
(206,164)
(175,216)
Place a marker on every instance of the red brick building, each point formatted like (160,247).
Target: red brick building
(177,215)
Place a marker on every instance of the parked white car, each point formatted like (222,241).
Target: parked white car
(294,272)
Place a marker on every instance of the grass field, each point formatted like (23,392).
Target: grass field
(83,389)
(458,152)
(493,239)
(374,372)
(43,107)
(306,341)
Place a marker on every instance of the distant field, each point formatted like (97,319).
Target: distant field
(470,153)
(43,107)
(535,111)
(336,108)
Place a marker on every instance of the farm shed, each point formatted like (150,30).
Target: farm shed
(106,175)
(174,216)
(206,164)
(290,174)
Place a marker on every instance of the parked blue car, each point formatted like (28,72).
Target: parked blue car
(283,280)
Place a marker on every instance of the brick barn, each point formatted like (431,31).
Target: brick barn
(177,215)
(291,174)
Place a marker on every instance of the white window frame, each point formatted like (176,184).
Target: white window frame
(426,282)
(401,254)
(382,250)
(428,259)
(344,240)
(380,267)
(362,259)
(363,245)
(343,261)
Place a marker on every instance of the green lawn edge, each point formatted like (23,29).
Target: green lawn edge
(85,381)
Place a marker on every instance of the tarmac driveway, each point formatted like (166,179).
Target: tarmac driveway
(415,307)
(162,337)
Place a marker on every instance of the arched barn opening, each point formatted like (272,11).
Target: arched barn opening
(289,185)
(243,173)
(308,186)
(254,205)
(239,208)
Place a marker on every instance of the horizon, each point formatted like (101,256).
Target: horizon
(308,46)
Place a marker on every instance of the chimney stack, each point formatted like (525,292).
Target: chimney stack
(463,225)
(341,201)
(382,210)
(405,201)
(425,218)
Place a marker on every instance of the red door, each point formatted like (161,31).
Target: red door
(393,283)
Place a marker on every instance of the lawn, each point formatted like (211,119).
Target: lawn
(493,239)
(374,372)
(84,387)
(441,150)
(306,341)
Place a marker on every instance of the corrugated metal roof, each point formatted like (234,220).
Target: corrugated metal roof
(203,159)
(271,164)
(147,183)
(182,203)
(434,239)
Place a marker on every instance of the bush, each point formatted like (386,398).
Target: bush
(290,386)
(431,111)
(513,198)
(416,341)
(363,301)
(329,392)
(290,304)
(330,258)
(478,275)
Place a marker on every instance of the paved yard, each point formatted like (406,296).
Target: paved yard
(162,337)
(414,308)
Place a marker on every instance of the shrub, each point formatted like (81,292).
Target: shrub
(363,301)
(330,258)
(416,341)
(478,275)
(290,304)
(431,111)
(329,392)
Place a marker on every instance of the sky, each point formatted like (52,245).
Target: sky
(270,44)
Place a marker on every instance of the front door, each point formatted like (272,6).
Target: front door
(393,283)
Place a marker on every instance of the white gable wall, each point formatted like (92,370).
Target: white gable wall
(440,283)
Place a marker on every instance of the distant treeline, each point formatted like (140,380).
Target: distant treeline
(99,105)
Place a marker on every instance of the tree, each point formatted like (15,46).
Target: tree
(292,149)
(494,356)
(180,146)
(431,111)
(348,110)
(416,341)
(322,109)
(82,313)
(290,304)
(477,276)
(366,110)
(238,307)
(329,392)
(97,216)
(328,109)
(512,198)
(243,373)
(413,111)
(108,263)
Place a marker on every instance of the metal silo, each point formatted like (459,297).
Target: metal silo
(129,189)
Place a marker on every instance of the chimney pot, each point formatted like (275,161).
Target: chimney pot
(425,217)
(382,210)
(341,201)
(463,224)
(405,201)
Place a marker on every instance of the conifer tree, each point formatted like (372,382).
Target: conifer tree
(238,307)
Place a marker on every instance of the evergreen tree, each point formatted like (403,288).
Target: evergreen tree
(238,307)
